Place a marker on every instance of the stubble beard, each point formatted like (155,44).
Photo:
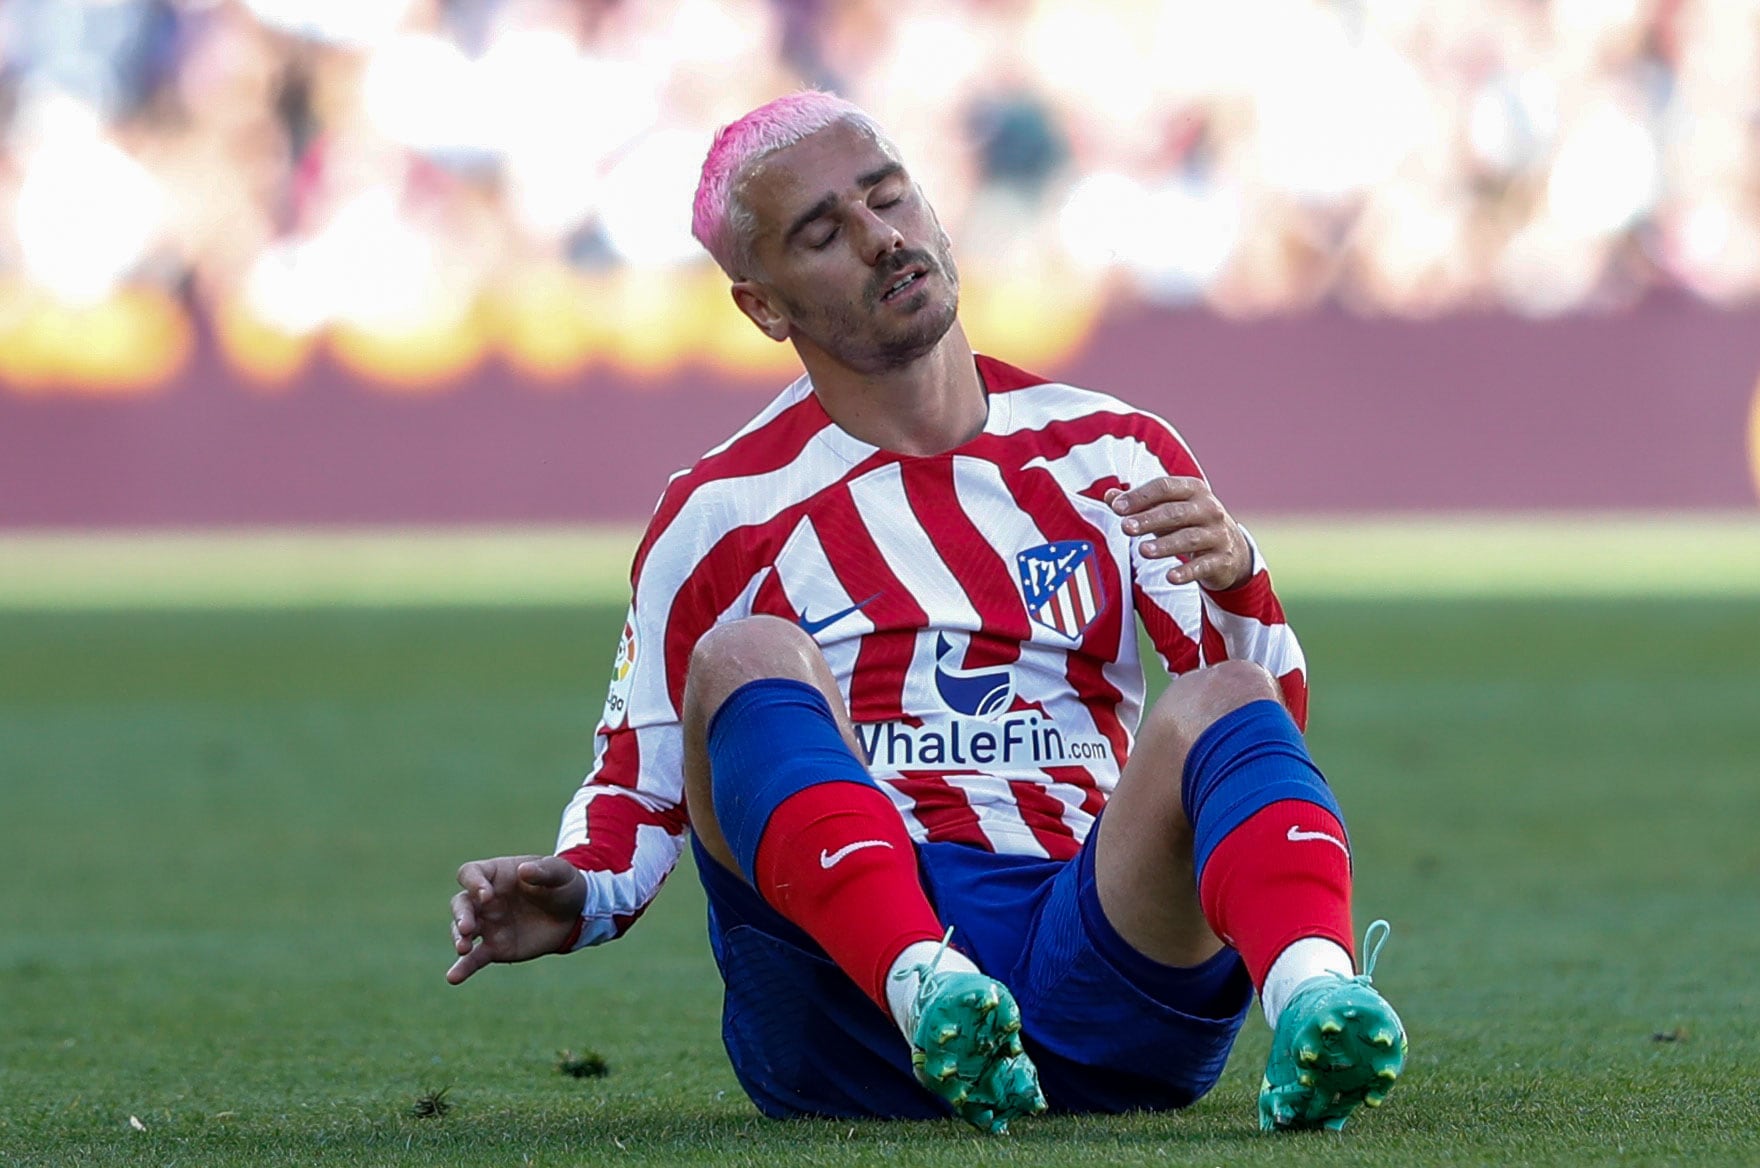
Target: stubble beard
(847,332)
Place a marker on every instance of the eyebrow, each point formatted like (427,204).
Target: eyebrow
(825,205)
(879,175)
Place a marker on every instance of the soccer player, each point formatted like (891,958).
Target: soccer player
(881,672)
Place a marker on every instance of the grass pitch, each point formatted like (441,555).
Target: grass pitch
(229,839)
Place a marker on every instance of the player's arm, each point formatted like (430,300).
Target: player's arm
(624,830)
(1184,539)
(627,826)
(617,844)
(621,835)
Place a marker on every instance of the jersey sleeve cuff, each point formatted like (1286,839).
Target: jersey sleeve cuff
(597,924)
(588,930)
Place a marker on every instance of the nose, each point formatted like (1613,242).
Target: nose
(876,235)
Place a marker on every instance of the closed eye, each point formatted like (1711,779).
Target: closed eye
(826,242)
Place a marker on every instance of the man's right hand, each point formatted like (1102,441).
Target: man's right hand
(513,908)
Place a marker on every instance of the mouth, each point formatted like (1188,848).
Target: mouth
(904,281)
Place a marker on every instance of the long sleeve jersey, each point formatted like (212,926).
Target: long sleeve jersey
(979,609)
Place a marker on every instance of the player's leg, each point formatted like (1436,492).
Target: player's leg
(1150,857)
(779,796)
(1222,827)
(770,761)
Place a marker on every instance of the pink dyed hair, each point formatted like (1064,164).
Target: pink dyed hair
(719,220)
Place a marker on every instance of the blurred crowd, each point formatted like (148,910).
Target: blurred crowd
(419,181)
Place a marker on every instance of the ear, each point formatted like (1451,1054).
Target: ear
(753,299)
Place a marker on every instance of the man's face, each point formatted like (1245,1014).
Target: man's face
(853,259)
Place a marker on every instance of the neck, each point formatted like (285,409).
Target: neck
(930,406)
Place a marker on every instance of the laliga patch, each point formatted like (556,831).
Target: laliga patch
(1061,583)
(623,672)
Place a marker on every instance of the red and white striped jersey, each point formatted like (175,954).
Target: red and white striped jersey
(979,609)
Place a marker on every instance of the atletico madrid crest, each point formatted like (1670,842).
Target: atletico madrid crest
(1061,582)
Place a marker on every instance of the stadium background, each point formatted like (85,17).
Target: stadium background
(345,344)
(410,261)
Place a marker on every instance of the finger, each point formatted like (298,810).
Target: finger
(474,877)
(1166,517)
(547,872)
(468,964)
(1204,567)
(1187,542)
(1167,489)
(464,916)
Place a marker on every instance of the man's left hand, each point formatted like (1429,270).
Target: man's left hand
(1183,517)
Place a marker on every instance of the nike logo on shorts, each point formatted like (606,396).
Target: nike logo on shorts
(832,859)
(1297,835)
(815,627)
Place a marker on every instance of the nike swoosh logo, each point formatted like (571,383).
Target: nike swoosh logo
(815,627)
(832,859)
(1297,835)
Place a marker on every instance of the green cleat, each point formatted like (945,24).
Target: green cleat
(966,1047)
(1338,1044)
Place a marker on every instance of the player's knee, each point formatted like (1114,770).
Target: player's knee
(1195,701)
(1229,685)
(749,637)
(754,647)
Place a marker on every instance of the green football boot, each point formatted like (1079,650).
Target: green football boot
(1338,1044)
(966,1047)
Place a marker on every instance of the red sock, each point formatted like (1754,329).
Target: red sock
(835,859)
(1282,875)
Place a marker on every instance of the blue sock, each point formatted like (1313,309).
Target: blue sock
(771,738)
(1242,763)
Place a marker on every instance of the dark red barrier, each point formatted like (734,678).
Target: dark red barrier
(1649,409)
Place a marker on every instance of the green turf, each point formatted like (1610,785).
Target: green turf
(228,840)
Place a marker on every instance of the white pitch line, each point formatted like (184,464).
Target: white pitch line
(1702,554)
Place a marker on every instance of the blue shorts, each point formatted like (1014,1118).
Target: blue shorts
(804,1040)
